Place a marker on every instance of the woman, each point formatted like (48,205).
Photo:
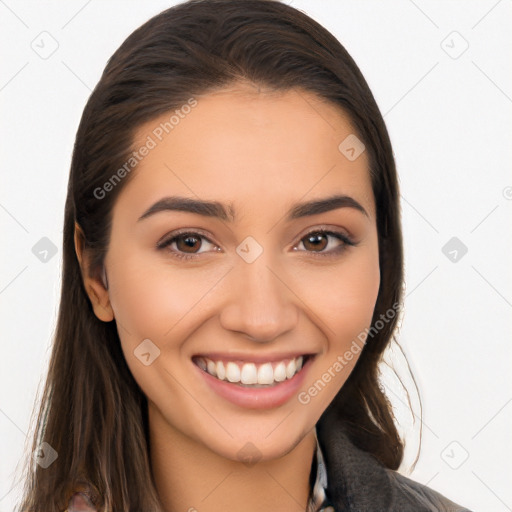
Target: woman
(232,275)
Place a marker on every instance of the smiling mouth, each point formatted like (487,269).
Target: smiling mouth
(252,375)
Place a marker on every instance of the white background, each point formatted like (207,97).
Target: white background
(449,120)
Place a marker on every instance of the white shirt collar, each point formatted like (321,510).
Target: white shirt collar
(318,494)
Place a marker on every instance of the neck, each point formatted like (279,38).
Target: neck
(189,477)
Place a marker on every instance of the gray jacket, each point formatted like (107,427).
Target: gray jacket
(358,482)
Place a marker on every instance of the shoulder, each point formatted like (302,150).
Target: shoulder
(408,492)
(358,481)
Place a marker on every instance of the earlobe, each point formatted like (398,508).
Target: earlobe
(96,288)
(99,298)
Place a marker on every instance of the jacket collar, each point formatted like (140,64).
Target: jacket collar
(356,480)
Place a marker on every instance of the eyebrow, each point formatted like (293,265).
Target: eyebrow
(218,210)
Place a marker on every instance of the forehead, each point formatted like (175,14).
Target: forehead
(249,148)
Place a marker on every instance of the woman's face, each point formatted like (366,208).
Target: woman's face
(259,284)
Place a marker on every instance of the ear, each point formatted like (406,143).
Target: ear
(95,287)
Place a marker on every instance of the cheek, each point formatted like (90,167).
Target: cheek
(355,300)
(149,304)
(345,309)
(136,300)
(149,300)
(345,298)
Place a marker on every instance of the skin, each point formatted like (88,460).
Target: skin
(262,152)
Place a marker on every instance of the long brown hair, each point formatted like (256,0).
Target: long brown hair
(92,412)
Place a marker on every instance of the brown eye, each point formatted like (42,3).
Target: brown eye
(190,242)
(186,245)
(316,241)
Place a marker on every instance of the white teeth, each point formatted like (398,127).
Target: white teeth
(250,373)
(210,366)
(232,372)
(265,374)
(221,371)
(280,372)
(291,367)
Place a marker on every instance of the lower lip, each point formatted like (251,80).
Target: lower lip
(258,398)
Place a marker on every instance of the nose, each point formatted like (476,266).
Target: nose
(260,304)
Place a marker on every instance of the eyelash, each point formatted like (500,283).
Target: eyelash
(332,253)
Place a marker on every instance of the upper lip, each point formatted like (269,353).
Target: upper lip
(252,358)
